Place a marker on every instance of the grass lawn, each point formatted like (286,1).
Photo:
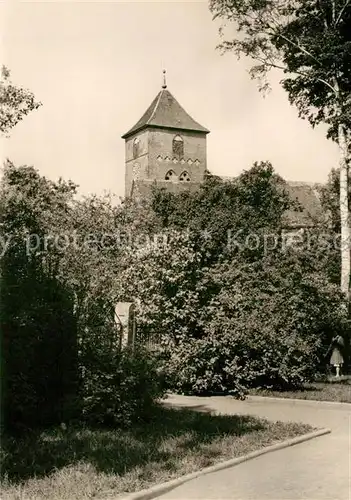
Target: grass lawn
(82,463)
(317,391)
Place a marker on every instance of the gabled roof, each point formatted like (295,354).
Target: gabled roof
(308,211)
(166,112)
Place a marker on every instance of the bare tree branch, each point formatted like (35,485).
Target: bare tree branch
(333,10)
(274,65)
(298,46)
(341,12)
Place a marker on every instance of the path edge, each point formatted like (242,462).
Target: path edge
(312,402)
(159,489)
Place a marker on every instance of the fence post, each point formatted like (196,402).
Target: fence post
(125,318)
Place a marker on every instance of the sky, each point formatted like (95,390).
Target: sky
(96,67)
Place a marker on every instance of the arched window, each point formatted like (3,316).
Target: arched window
(184,176)
(178,147)
(170,175)
(136,147)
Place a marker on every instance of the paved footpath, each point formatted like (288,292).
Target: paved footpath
(315,470)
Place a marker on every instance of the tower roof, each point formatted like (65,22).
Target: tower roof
(166,112)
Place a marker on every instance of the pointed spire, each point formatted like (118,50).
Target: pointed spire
(164,86)
(166,112)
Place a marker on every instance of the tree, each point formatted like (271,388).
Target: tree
(61,264)
(230,316)
(310,42)
(15,102)
(254,202)
(38,330)
(330,195)
(163,278)
(15,274)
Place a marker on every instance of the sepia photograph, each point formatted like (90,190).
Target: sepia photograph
(175,250)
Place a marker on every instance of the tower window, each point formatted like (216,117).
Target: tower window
(184,177)
(170,175)
(136,147)
(178,147)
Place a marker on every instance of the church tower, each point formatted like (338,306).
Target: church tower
(166,148)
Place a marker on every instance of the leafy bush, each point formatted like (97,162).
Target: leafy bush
(38,327)
(121,387)
(163,282)
(230,317)
(205,366)
(58,353)
(239,356)
(269,326)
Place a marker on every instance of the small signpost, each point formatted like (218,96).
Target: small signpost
(125,321)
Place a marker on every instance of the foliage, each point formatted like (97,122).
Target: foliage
(162,279)
(268,326)
(15,102)
(253,202)
(310,42)
(37,322)
(259,192)
(61,262)
(230,318)
(279,317)
(226,318)
(120,387)
(330,200)
(330,195)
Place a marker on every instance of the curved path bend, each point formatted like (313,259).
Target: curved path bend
(319,469)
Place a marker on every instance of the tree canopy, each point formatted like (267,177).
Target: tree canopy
(310,42)
(15,102)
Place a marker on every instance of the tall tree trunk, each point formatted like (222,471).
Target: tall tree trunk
(344,213)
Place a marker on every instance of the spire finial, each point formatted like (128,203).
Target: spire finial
(164,86)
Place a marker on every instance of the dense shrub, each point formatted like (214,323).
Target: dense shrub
(226,317)
(38,328)
(269,326)
(205,366)
(39,355)
(239,356)
(121,387)
(162,280)
(57,344)
(233,316)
